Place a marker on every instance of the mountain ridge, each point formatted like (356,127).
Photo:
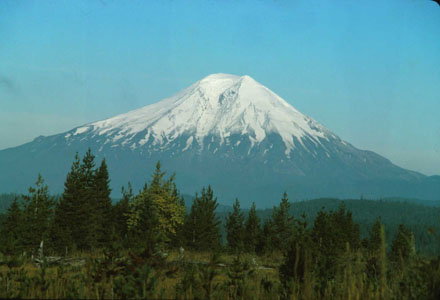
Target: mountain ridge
(228,131)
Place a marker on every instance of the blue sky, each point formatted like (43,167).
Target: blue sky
(367,70)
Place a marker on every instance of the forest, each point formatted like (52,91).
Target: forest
(149,244)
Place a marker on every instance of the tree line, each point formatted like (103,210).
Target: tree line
(318,257)
(84,219)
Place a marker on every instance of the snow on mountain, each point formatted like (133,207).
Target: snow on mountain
(219,105)
(227,131)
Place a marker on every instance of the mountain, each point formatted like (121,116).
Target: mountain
(227,131)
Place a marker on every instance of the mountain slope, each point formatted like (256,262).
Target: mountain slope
(227,131)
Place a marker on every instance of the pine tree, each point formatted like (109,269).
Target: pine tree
(11,233)
(297,264)
(202,225)
(166,203)
(37,214)
(265,242)
(102,212)
(332,232)
(75,224)
(252,230)
(157,212)
(142,220)
(402,247)
(60,230)
(282,224)
(64,232)
(121,211)
(235,228)
(376,255)
(85,234)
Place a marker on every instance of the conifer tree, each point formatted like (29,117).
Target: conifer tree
(235,228)
(166,203)
(142,219)
(297,264)
(102,212)
(252,230)
(282,224)
(157,212)
(332,232)
(376,254)
(202,225)
(121,211)
(60,230)
(11,233)
(86,233)
(402,247)
(37,214)
(75,224)
(65,233)
(265,242)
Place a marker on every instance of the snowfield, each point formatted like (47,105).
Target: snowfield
(219,105)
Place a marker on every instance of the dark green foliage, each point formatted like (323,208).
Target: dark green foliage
(201,227)
(332,233)
(6,201)
(69,217)
(11,230)
(83,216)
(323,261)
(102,210)
(422,220)
(207,275)
(156,213)
(121,212)
(85,234)
(36,217)
(282,224)
(239,273)
(403,247)
(252,230)
(375,249)
(265,243)
(298,259)
(235,228)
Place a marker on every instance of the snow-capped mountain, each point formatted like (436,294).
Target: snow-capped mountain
(219,105)
(227,131)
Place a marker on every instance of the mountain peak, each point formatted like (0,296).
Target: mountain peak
(226,130)
(219,105)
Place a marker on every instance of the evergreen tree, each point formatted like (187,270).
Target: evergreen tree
(142,219)
(121,211)
(282,224)
(166,203)
(402,247)
(332,232)
(76,223)
(265,242)
(297,264)
(11,230)
(376,255)
(60,230)
(252,230)
(102,212)
(37,214)
(235,228)
(85,234)
(157,212)
(65,232)
(202,225)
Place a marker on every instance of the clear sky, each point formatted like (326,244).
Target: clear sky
(367,70)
